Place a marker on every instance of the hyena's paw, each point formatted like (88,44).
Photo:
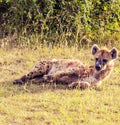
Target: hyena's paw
(73,85)
(84,85)
(18,81)
(79,85)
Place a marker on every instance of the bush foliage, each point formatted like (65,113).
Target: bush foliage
(60,21)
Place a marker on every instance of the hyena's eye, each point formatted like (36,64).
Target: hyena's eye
(96,59)
(105,60)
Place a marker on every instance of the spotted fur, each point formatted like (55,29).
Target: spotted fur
(73,72)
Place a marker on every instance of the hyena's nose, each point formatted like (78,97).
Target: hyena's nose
(97,67)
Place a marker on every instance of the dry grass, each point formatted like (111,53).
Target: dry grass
(53,104)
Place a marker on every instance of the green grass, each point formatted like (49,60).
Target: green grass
(51,104)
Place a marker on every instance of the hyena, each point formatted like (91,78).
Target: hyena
(73,72)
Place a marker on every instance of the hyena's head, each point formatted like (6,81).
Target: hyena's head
(104,57)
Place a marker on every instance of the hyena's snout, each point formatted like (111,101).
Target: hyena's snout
(100,64)
(98,67)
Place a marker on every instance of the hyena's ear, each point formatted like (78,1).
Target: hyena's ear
(95,48)
(114,53)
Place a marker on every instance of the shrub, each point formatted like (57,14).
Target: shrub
(60,21)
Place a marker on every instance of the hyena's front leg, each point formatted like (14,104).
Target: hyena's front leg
(79,85)
(36,75)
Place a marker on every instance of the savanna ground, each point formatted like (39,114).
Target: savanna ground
(53,104)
